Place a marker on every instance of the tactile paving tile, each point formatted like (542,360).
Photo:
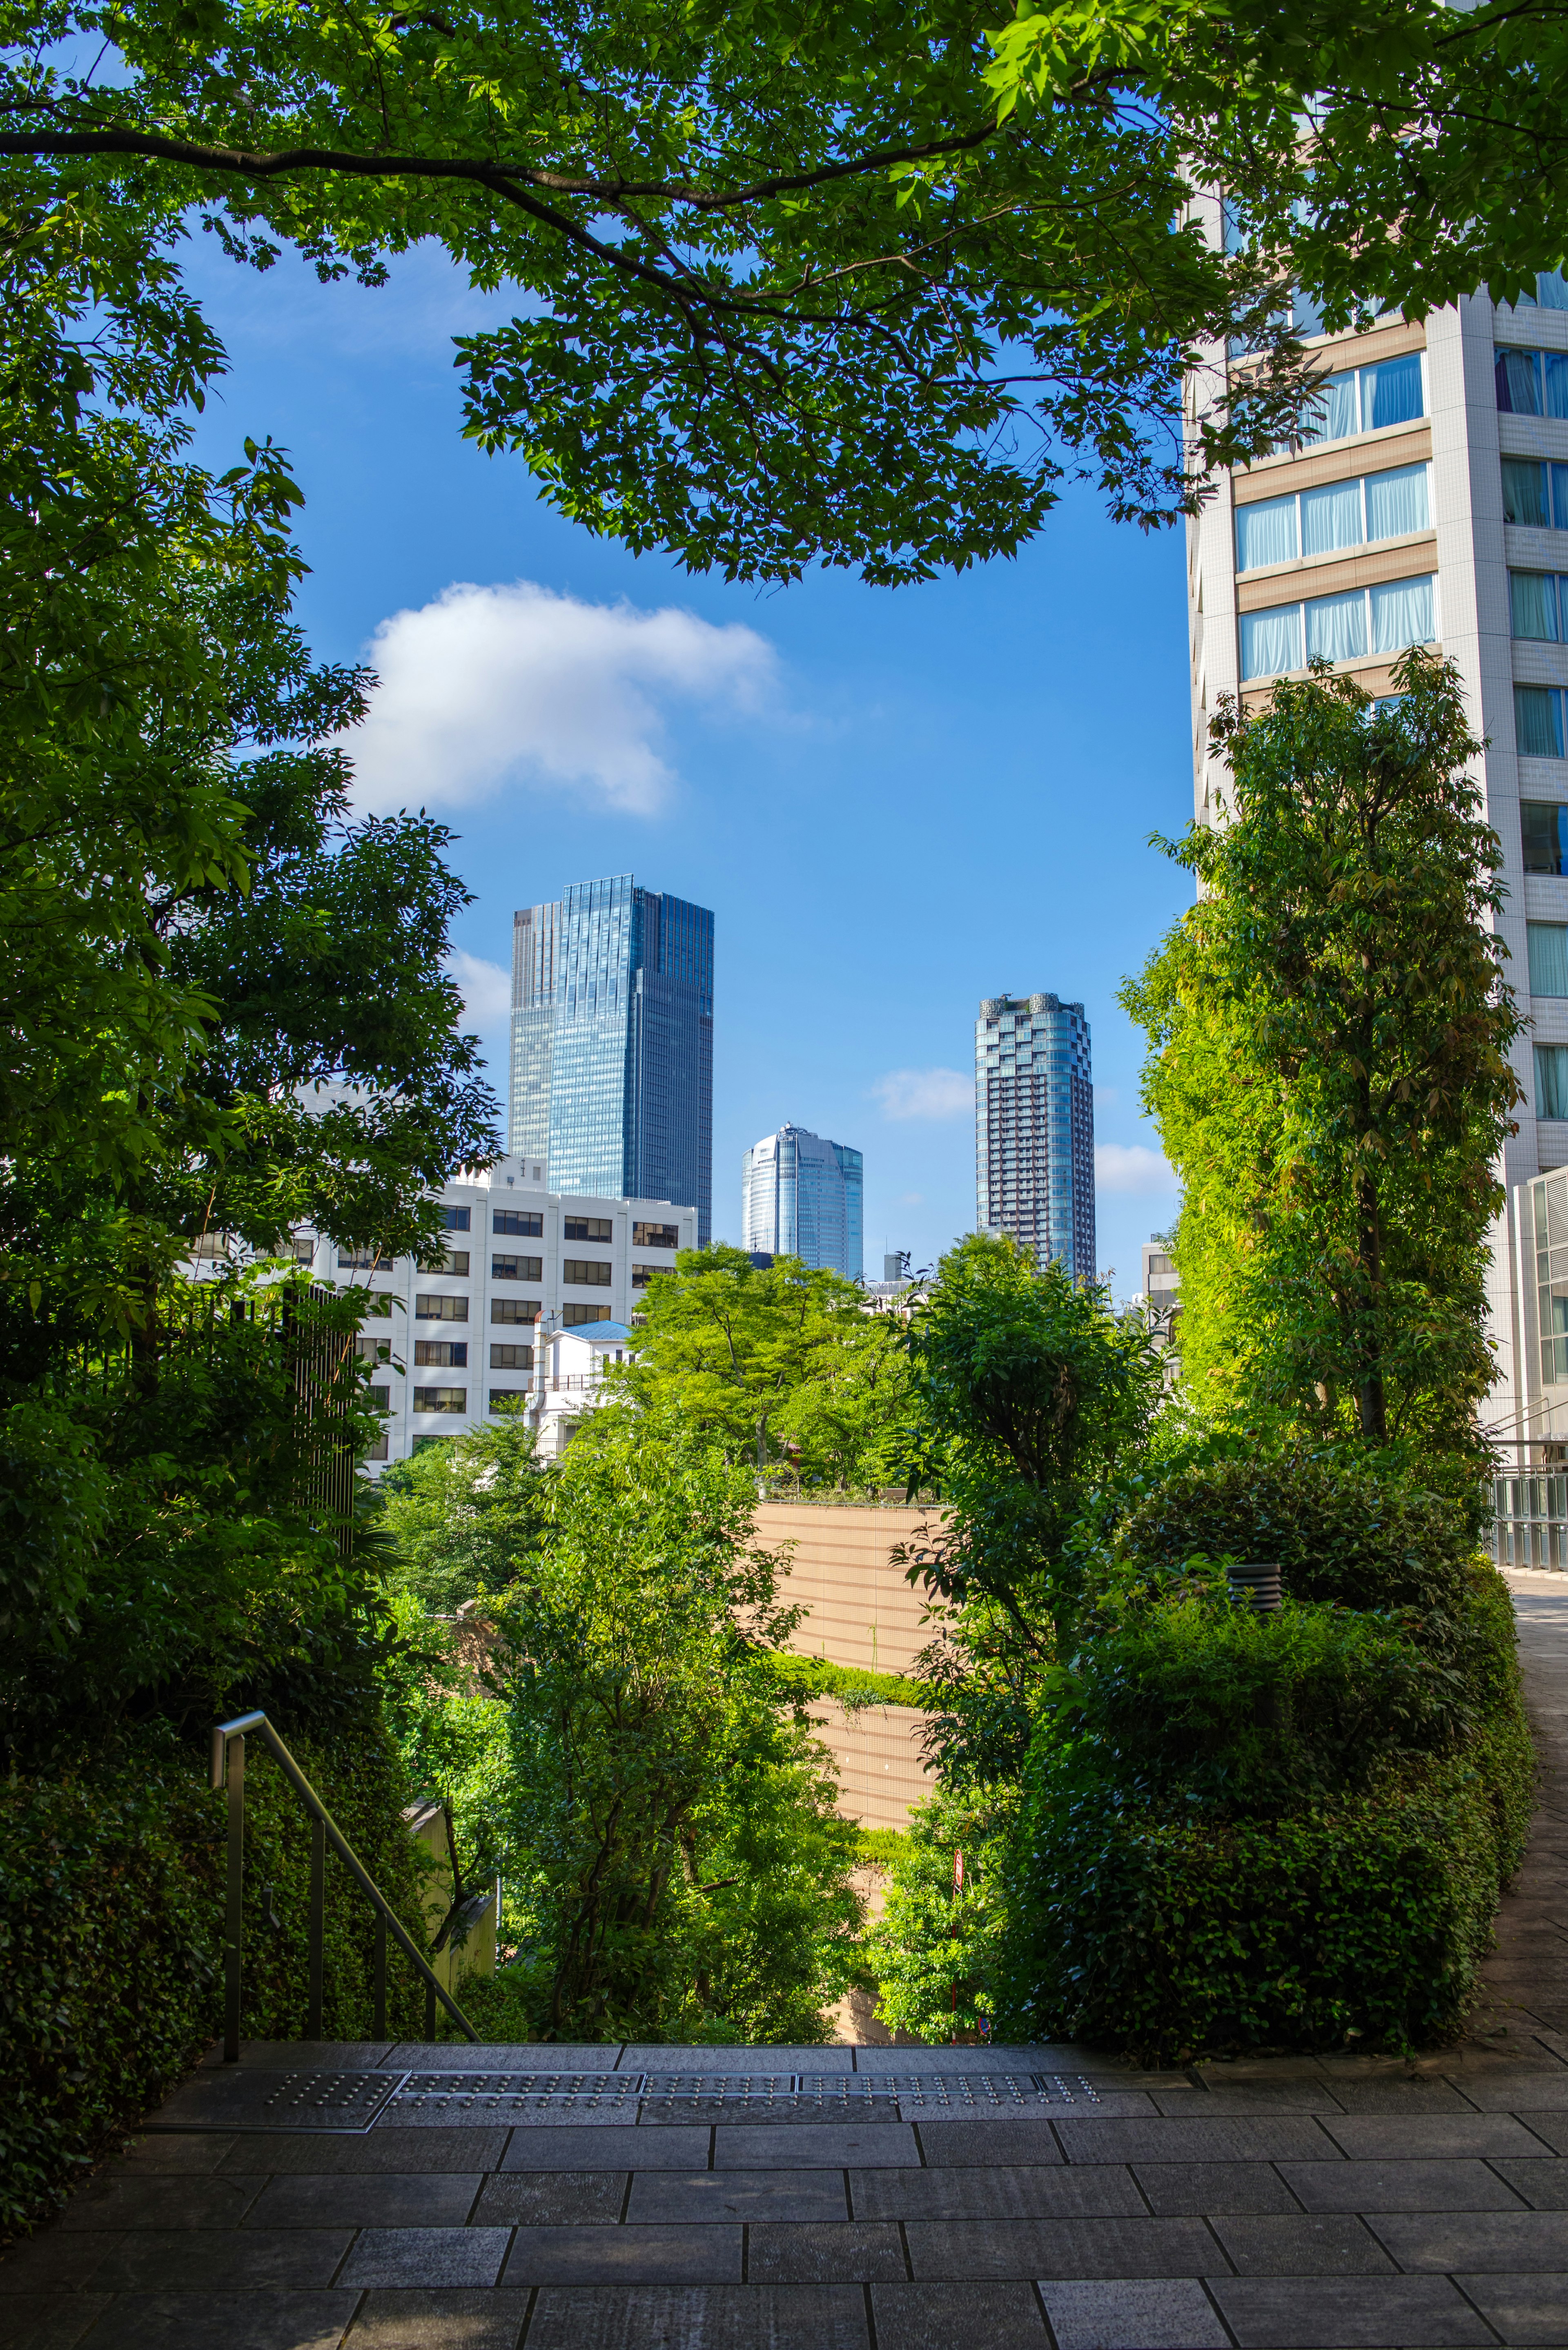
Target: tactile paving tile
(240,2098)
(455,2098)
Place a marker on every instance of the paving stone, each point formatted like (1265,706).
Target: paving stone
(624,2147)
(194,2152)
(658,2057)
(382,2153)
(442,2198)
(553,2199)
(194,2260)
(47,2321)
(1173,2314)
(1299,2096)
(1375,2137)
(460,2319)
(1458,2186)
(222,2320)
(954,2144)
(504,2056)
(1062,2247)
(1533,2090)
(1451,2241)
(426,2256)
(1523,2309)
(1239,2139)
(716,2318)
(958,2317)
(1318,2244)
(1049,2057)
(818,2146)
(1347,2313)
(1543,2183)
(840,2252)
(658,2197)
(306,2055)
(1005,2193)
(676,2255)
(1416,2098)
(157,2201)
(54,2261)
(1175,2189)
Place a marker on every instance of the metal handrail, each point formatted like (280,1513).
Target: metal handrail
(229,1768)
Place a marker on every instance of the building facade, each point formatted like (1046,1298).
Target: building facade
(612,1043)
(1035,1127)
(455,1341)
(802,1196)
(1161,1289)
(1429,506)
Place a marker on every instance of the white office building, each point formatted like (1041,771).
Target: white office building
(1430,506)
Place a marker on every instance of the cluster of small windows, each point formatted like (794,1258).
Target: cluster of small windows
(1386,618)
(1332,515)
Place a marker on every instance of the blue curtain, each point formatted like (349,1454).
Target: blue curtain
(1559,496)
(1537,723)
(1555,369)
(1548,943)
(1266,533)
(1391,392)
(1524,493)
(1404,613)
(1551,290)
(1337,627)
(1551,1081)
(1271,641)
(1532,605)
(1518,383)
(1332,416)
(1397,501)
(1330,517)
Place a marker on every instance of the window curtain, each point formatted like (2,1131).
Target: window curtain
(1333,415)
(1397,501)
(1551,290)
(1330,517)
(1518,383)
(1556,368)
(1337,627)
(1548,943)
(1391,394)
(1532,605)
(1524,493)
(1543,826)
(1404,613)
(1271,641)
(1559,496)
(1537,723)
(1551,1081)
(1266,533)
(1305,315)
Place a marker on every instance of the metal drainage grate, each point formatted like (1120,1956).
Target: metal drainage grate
(468,2097)
(253,2098)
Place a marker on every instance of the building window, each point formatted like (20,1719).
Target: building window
(1335,514)
(1551,1081)
(587,1271)
(1536,606)
(510,1358)
(1387,618)
(441,1354)
(1543,825)
(514,1309)
(429,1307)
(666,1236)
(1550,292)
(455,1219)
(304,1250)
(452,1260)
(588,1228)
(440,1398)
(378,1450)
(1538,721)
(1531,383)
(573,1317)
(520,1222)
(373,1350)
(1365,400)
(378,1399)
(1548,945)
(1534,495)
(358,1260)
(641,1275)
(508,1399)
(516,1268)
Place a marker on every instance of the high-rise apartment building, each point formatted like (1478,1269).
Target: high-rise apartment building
(612,1043)
(801,1196)
(1034,1126)
(1428,505)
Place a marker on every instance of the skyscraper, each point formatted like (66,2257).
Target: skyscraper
(612,1043)
(801,1196)
(1428,504)
(1034,1126)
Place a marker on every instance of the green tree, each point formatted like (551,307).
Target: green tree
(1330,1031)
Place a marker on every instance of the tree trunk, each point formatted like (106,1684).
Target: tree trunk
(1374,1412)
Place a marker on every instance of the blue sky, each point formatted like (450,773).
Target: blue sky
(896,801)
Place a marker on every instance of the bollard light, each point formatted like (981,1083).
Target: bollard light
(1255,1587)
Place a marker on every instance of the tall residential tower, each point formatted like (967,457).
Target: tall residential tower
(612,1043)
(801,1196)
(1034,1126)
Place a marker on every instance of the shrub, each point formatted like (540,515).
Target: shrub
(931,1950)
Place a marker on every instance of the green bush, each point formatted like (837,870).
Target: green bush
(932,1949)
(111,1895)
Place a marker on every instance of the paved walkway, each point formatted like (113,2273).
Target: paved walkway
(859,2199)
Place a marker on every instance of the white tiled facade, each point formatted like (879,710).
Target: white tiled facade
(455,1343)
(1469,549)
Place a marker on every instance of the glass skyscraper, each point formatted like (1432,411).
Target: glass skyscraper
(612,1045)
(801,1196)
(1034,1126)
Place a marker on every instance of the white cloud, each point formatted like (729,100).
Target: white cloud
(1131,1167)
(490,687)
(486,990)
(925,1093)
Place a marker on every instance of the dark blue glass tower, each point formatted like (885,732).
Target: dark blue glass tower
(612,1043)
